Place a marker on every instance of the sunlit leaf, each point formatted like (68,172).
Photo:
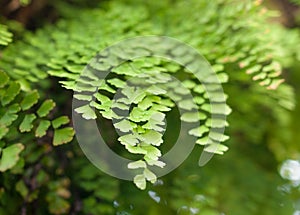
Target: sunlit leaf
(10,156)
(27,123)
(45,108)
(62,136)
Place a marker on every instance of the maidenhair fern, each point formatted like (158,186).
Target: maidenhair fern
(5,35)
(17,116)
(63,50)
(42,175)
(28,131)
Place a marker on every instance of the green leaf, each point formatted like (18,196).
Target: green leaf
(8,118)
(128,139)
(12,91)
(87,112)
(3,79)
(135,149)
(102,99)
(221,108)
(199,89)
(79,87)
(45,108)
(134,95)
(275,84)
(62,136)
(109,114)
(218,136)
(106,87)
(29,100)
(198,100)
(160,108)
(125,69)
(187,104)
(139,115)
(216,148)
(223,77)
(3,131)
(10,115)
(156,90)
(83,97)
(156,163)
(10,156)
(150,176)
(26,124)
(124,125)
(14,108)
(152,137)
(146,103)
(181,90)
(116,82)
(137,164)
(42,128)
(203,141)
(218,67)
(216,123)
(189,84)
(120,105)
(63,120)
(216,97)
(153,153)
(140,181)
(155,122)
(192,116)
(199,131)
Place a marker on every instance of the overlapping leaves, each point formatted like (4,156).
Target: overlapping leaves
(16,112)
(5,35)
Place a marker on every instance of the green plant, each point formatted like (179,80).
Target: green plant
(297,2)
(6,36)
(234,36)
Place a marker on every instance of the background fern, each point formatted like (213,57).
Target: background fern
(6,36)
